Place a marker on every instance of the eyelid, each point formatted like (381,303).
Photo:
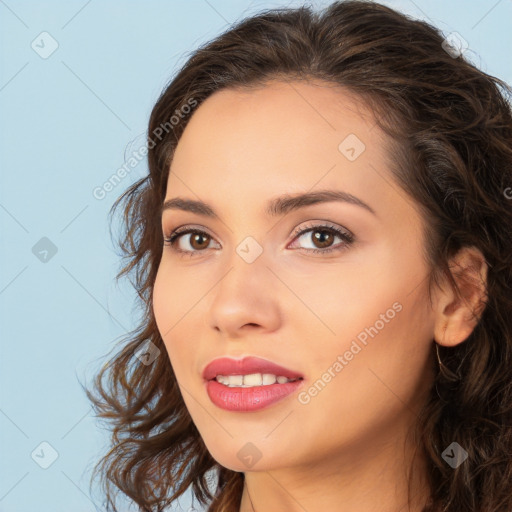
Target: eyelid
(322,224)
(186,229)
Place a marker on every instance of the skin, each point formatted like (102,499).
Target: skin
(346,449)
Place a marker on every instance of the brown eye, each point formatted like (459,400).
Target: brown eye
(199,241)
(189,241)
(322,238)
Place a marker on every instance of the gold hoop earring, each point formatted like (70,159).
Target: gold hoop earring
(449,374)
(437,354)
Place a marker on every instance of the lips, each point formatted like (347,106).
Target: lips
(246,366)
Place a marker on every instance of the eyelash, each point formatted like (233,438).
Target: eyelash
(347,237)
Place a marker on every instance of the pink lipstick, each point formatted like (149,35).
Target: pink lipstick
(248,384)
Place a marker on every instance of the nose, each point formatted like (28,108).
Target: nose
(245,299)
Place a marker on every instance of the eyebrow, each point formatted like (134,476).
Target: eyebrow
(275,207)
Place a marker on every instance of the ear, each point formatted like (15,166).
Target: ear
(455,318)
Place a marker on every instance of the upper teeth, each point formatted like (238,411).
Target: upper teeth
(253,379)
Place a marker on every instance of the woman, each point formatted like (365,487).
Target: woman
(323,247)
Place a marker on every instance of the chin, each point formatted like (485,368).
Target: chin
(242,455)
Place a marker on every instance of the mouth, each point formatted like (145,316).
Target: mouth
(252,379)
(249,384)
(248,372)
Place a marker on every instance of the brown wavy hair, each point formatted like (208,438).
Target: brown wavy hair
(450,137)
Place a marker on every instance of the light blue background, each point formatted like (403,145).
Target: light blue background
(66,123)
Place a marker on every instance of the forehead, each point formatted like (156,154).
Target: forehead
(284,137)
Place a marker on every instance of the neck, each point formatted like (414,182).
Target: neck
(370,476)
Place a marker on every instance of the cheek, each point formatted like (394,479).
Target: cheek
(166,311)
(375,382)
(173,296)
(176,306)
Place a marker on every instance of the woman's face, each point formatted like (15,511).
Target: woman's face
(349,312)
